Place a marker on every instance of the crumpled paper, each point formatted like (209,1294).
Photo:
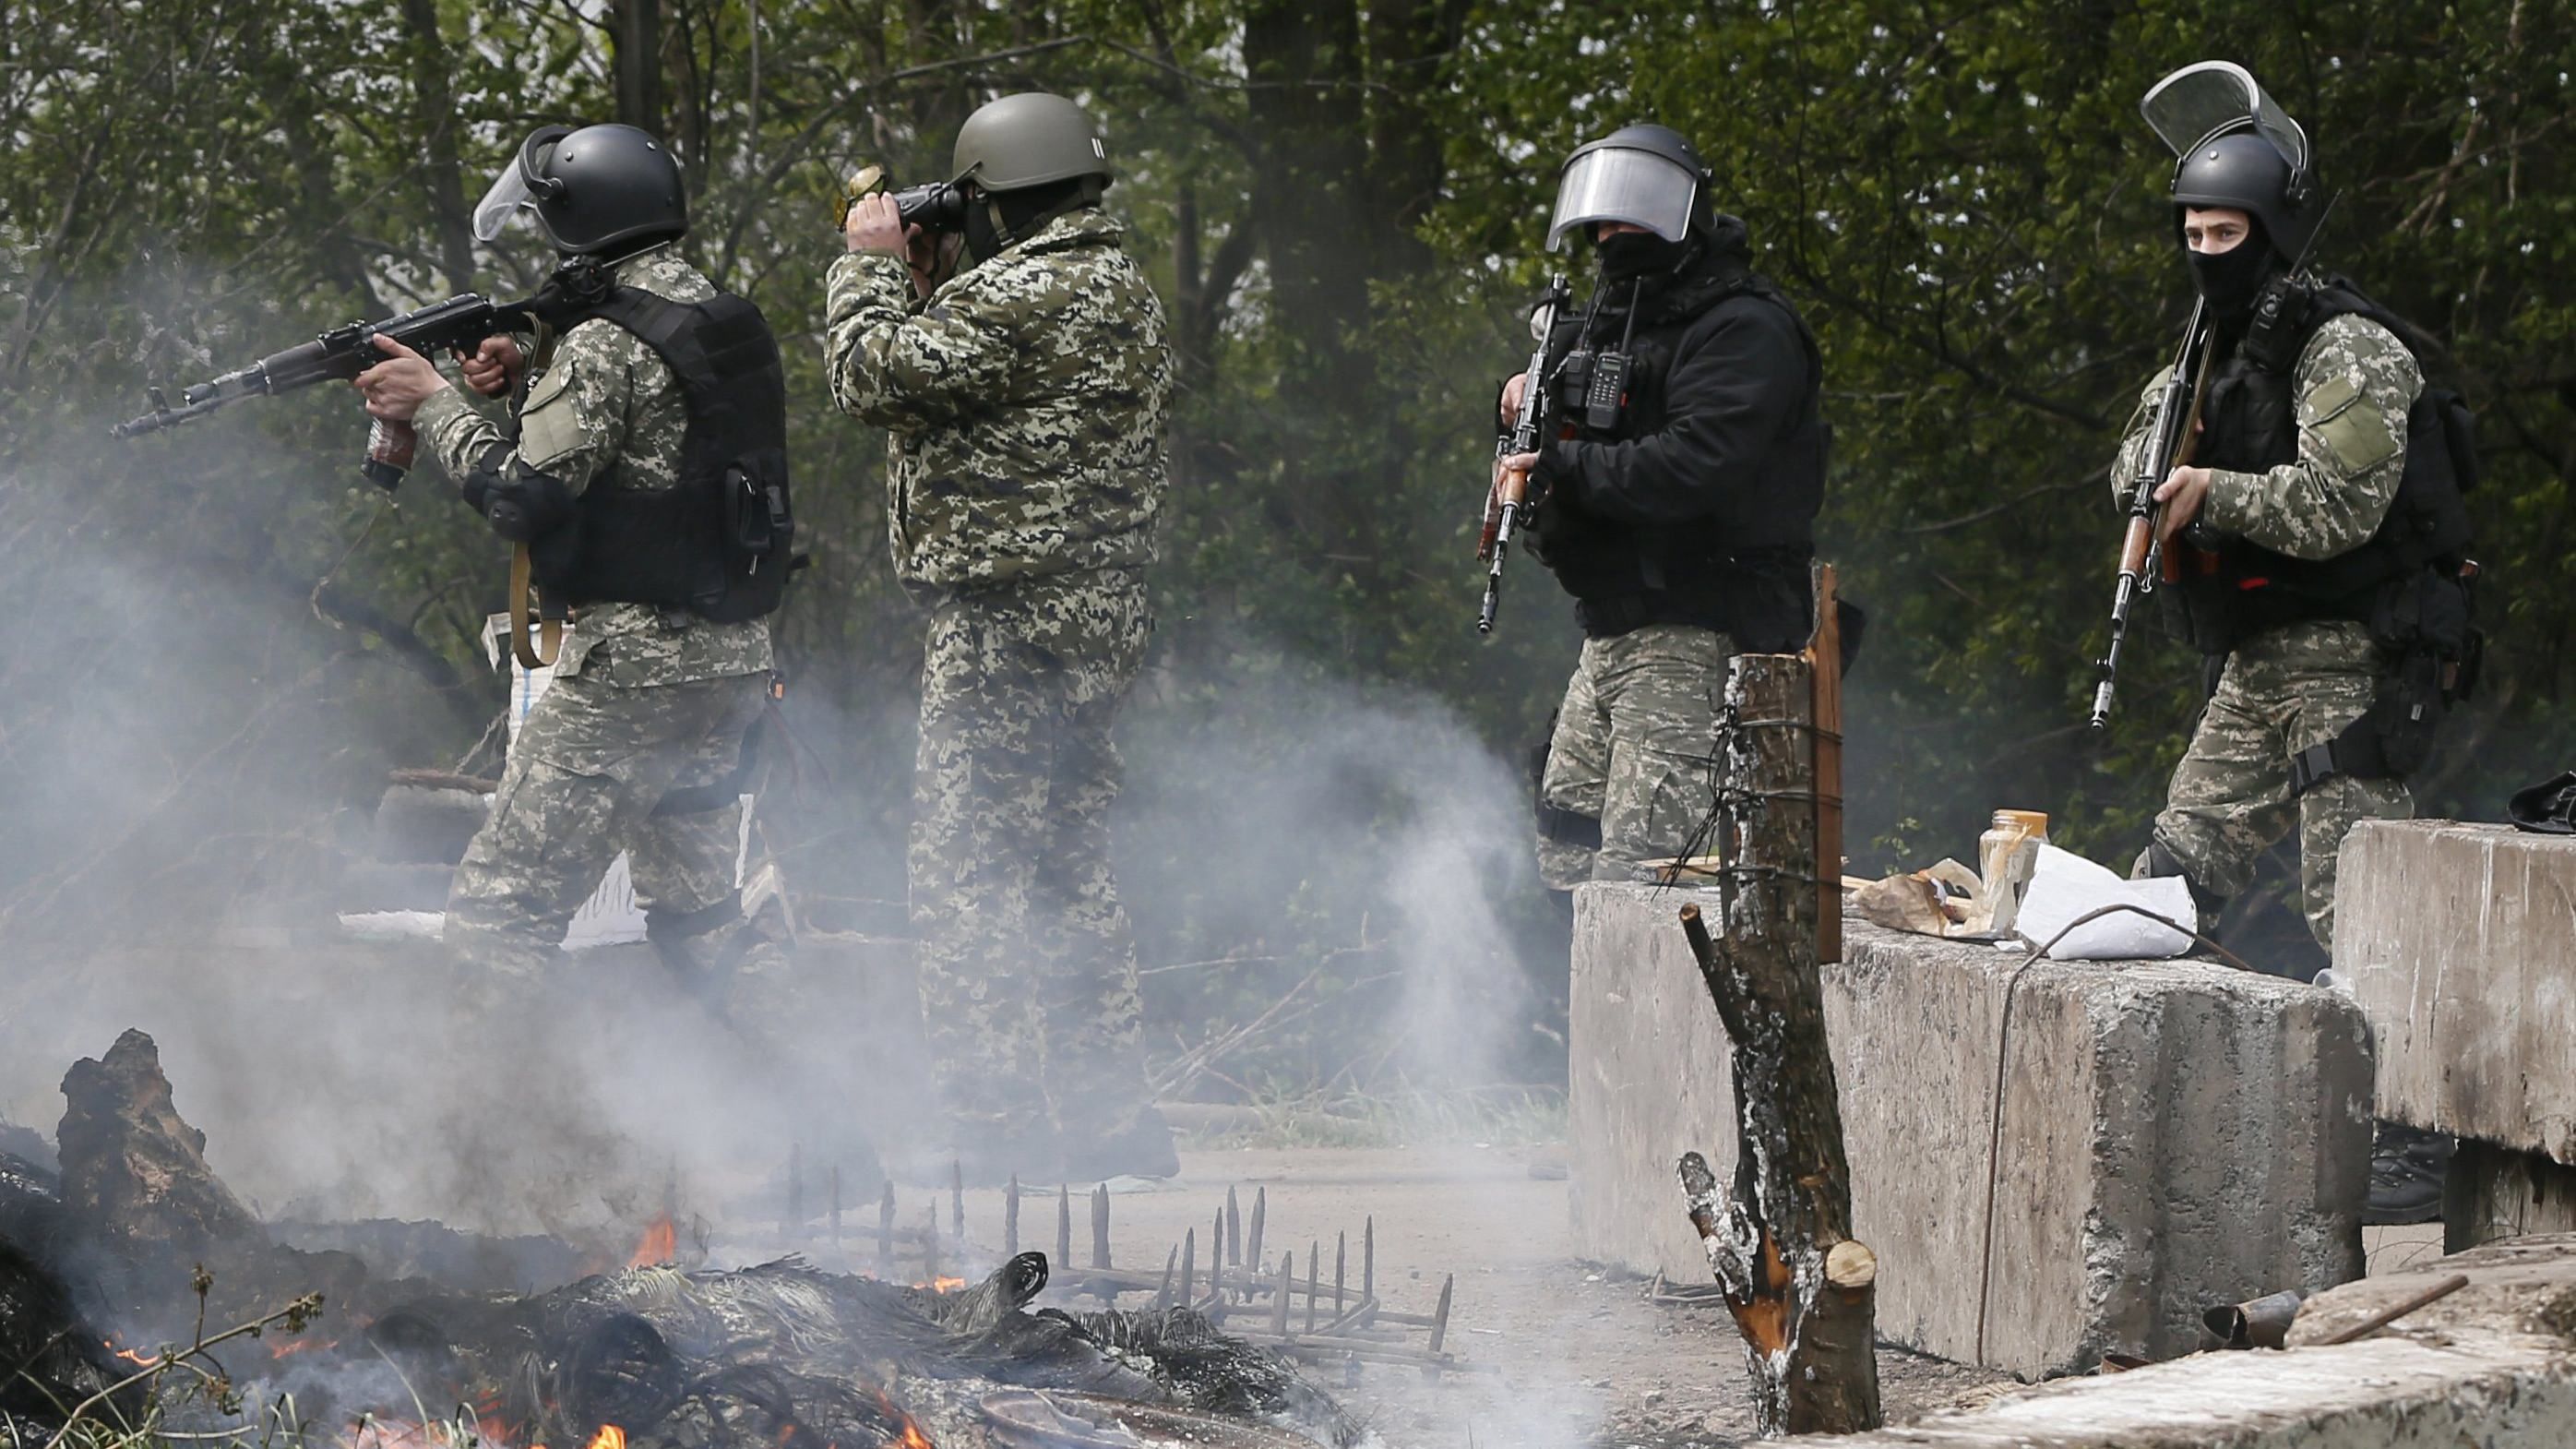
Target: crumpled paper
(1917,902)
(2064,886)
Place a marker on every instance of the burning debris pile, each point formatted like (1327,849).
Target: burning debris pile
(135,1240)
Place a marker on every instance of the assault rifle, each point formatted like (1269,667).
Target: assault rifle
(1505,504)
(2142,559)
(457,324)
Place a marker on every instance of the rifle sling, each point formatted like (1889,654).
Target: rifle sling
(549,645)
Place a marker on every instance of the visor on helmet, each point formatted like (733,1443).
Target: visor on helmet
(2199,103)
(519,185)
(1613,183)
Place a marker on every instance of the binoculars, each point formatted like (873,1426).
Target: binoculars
(934,206)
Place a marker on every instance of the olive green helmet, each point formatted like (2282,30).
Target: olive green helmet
(1028,140)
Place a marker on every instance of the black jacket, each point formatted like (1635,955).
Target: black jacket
(1698,506)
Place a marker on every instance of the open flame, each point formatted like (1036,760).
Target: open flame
(609,1435)
(911,1437)
(941,1285)
(295,1346)
(659,1245)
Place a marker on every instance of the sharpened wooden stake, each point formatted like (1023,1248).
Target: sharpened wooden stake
(1260,1210)
(930,1246)
(957,1200)
(1234,1231)
(1341,1260)
(1189,1264)
(1011,1218)
(885,1235)
(1368,1268)
(1440,1315)
(1100,1226)
(1063,1225)
(1163,1295)
(1314,1262)
(1287,1281)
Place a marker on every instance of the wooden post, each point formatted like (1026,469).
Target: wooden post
(1287,1281)
(1252,1236)
(1341,1260)
(930,1246)
(957,1200)
(1011,1218)
(1064,1226)
(1189,1263)
(1825,714)
(1779,1242)
(1314,1262)
(1100,1226)
(1234,1231)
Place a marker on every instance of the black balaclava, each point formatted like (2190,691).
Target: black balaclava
(1023,211)
(1632,256)
(2231,280)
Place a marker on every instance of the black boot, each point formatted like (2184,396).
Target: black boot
(2407,1167)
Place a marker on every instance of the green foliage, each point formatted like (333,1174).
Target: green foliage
(1343,205)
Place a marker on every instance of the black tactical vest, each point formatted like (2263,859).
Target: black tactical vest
(720,543)
(1744,570)
(2239,589)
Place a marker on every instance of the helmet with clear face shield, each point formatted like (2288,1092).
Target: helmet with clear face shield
(1645,176)
(594,190)
(2235,148)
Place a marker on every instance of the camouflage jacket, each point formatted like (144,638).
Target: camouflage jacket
(2353,386)
(1027,400)
(600,403)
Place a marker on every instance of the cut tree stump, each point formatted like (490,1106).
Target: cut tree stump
(1779,1242)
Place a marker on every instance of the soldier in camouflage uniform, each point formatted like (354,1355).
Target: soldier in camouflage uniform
(1027,396)
(2302,457)
(1681,517)
(649,703)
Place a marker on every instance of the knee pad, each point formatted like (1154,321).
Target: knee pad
(2160,861)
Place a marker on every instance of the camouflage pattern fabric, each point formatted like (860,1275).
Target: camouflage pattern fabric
(590,763)
(2283,691)
(2354,384)
(1027,399)
(643,700)
(1635,746)
(601,404)
(2298,685)
(1027,965)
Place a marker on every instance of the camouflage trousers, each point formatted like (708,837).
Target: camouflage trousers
(591,762)
(1634,749)
(2282,692)
(1027,964)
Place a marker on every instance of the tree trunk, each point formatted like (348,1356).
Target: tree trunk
(1800,1289)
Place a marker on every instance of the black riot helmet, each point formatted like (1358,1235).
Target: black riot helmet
(1646,176)
(2235,147)
(596,191)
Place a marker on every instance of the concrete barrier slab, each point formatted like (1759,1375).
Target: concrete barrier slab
(2489,1366)
(2460,942)
(2175,1134)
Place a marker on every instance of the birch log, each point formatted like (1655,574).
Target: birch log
(1779,1241)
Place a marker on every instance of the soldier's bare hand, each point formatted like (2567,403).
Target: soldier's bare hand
(396,387)
(493,368)
(1512,390)
(876,225)
(2182,493)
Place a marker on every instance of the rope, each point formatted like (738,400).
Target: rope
(2003,1055)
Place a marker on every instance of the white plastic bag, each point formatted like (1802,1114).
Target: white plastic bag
(2065,886)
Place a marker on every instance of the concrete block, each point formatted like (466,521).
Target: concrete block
(2489,1366)
(2175,1135)
(2460,943)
